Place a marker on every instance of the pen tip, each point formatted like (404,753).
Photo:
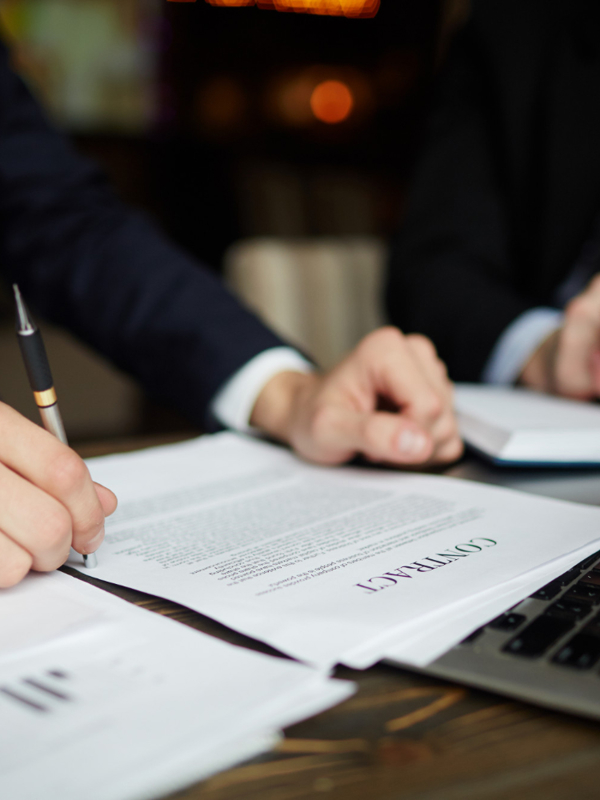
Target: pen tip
(24,321)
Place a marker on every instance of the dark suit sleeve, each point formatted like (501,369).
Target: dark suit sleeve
(86,261)
(451,275)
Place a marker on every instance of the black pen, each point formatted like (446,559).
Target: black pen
(40,379)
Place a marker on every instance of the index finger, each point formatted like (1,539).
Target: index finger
(57,470)
(397,375)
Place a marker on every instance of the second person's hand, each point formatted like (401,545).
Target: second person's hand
(567,363)
(389,400)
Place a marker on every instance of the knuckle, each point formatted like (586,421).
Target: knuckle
(68,472)
(562,378)
(388,336)
(96,520)
(321,423)
(571,381)
(566,360)
(372,436)
(422,345)
(370,432)
(14,568)
(580,308)
(87,528)
(447,430)
(54,528)
(390,332)
(454,450)
(448,452)
(431,406)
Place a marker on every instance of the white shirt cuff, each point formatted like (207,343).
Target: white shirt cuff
(518,342)
(233,403)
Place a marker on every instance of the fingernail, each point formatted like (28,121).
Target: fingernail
(411,443)
(95,543)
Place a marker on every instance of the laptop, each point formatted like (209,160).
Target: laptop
(544,650)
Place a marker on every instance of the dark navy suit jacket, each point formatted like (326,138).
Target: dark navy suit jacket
(87,262)
(507,189)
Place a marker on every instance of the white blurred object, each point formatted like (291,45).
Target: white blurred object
(322,294)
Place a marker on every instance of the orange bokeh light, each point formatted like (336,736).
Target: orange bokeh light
(232,3)
(332,102)
(335,8)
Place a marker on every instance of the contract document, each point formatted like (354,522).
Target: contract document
(102,700)
(327,565)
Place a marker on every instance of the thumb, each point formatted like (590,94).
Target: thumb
(383,436)
(108,499)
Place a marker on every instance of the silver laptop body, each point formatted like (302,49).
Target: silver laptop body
(544,650)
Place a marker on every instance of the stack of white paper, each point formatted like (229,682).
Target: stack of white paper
(330,565)
(102,700)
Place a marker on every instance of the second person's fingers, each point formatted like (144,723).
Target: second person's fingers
(381,436)
(444,430)
(426,356)
(577,342)
(395,374)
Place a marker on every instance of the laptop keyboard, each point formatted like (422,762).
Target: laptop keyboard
(566,630)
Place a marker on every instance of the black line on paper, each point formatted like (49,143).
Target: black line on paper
(24,700)
(49,690)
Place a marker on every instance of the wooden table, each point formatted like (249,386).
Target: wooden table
(408,736)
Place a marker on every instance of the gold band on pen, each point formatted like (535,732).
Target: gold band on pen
(45,398)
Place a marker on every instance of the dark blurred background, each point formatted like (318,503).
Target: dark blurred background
(226,123)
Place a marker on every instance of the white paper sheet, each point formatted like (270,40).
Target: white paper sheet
(49,610)
(137,705)
(320,563)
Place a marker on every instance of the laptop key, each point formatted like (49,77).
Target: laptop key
(538,636)
(548,591)
(583,591)
(507,622)
(592,578)
(587,562)
(569,577)
(581,652)
(593,627)
(472,636)
(570,609)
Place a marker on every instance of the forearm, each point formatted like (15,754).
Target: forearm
(88,262)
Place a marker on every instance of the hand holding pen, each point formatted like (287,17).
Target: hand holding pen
(48,501)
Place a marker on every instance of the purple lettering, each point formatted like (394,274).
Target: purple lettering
(399,572)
